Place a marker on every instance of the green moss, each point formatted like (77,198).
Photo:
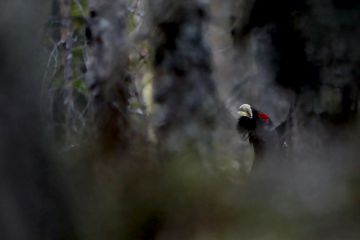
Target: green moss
(80,85)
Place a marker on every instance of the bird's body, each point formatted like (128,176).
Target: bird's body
(258,128)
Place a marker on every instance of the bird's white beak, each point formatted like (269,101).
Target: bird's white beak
(244,114)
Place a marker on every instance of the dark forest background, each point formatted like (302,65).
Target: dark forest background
(118,119)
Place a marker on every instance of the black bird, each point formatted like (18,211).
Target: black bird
(258,128)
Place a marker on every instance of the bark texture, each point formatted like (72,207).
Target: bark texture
(67,61)
(107,75)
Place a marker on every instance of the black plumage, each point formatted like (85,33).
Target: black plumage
(259,130)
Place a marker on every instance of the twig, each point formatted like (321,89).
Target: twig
(53,56)
(80,8)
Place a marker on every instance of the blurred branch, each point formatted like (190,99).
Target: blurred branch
(52,57)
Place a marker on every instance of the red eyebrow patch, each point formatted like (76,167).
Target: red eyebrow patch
(264,117)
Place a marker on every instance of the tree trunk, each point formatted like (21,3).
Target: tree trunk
(107,75)
(184,92)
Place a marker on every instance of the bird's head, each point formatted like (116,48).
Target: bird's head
(245,111)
